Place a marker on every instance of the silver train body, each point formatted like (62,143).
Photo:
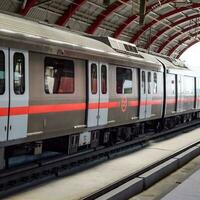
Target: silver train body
(62,89)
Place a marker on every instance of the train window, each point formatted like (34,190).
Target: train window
(149,82)
(59,76)
(143,82)
(155,80)
(103,79)
(94,78)
(124,80)
(2,72)
(19,73)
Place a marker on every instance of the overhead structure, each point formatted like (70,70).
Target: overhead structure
(142,11)
(163,26)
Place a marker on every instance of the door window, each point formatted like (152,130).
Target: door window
(155,80)
(19,73)
(103,79)
(143,82)
(94,78)
(149,82)
(2,72)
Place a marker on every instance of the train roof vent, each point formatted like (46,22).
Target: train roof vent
(120,46)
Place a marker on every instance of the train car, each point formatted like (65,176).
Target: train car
(181,92)
(60,87)
(65,92)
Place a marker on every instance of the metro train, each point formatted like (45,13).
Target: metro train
(65,92)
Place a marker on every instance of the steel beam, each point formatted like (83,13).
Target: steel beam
(171,51)
(176,35)
(124,25)
(73,7)
(162,31)
(103,15)
(161,17)
(143,8)
(29,4)
(129,20)
(183,50)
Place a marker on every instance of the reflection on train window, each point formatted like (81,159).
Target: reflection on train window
(124,80)
(2,72)
(59,76)
(149,82)
(94,78)
(143,82)
(155,80)
(103,79)
(19,73)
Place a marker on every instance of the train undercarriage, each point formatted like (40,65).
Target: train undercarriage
(75,144)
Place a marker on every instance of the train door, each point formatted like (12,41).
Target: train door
(19,94)
(197,93)
(4,93)
(179,93)
(97,94)
(93,94)
(145,94)
(103,93)
(149,94)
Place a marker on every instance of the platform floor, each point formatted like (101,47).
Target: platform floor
(169,183)
(188,190)
(88,181)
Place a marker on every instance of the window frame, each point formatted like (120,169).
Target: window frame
(45,66)
(24,72)
(126,68)
(155,81)
(144,81)
(106,79)
(91,78)
(149,81)
(4,68)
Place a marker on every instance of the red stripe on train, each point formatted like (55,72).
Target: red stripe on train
(3,112)
(37,109)
(19,110)
(133,103)
(170,101)
(56,108)
(187,100)
(103,105)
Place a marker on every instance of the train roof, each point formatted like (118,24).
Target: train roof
(175,66)
(35,33)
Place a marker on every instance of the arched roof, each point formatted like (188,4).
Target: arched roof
(169,26)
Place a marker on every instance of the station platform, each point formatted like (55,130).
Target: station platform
(166,185)
(188,190)
(82,184)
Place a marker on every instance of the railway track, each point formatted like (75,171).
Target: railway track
(13,180)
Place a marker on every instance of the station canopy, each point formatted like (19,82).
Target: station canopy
(163,26)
